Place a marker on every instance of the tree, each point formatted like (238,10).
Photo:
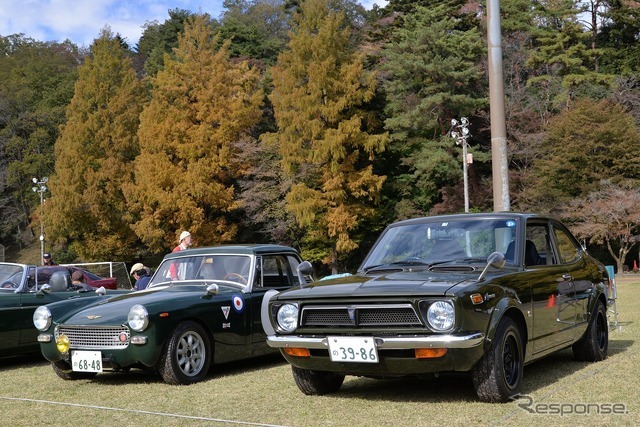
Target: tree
(37,83)
(87,211)
(432,73)
(203,104)
(594,140)
(609,216)
(319,85)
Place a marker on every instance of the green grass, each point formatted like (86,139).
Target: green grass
(262,391)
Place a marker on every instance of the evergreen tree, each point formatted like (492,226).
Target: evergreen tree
(319,87)
(87,211)
(203,104)
(432,72)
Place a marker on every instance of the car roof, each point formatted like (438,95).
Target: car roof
(461,216)
(241,249)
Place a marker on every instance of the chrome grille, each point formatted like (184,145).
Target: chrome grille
(360,315)
(95,338)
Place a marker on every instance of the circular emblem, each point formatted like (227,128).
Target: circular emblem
(238,303)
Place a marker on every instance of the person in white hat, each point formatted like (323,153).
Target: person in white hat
(141,274)
(185,242)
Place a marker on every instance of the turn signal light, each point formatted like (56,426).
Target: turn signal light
(430,353)
(476,299)
(300,352)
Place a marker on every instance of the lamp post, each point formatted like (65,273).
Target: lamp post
(460,131)
(41,187)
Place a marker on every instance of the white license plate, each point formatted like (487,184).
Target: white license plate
(86,361)
(353,349)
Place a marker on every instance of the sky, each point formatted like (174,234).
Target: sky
(81,20)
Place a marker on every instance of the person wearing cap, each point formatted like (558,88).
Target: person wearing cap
(185,242)
(141,274)
(46,259)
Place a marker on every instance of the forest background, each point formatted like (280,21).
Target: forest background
(316,123)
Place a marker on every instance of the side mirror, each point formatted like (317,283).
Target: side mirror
(495,260)
(305,273)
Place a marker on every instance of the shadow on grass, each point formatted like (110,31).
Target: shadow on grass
(453,387)
(22,361)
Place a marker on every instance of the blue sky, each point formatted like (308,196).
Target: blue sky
(81,20)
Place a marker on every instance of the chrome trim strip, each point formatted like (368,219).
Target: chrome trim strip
(385,343)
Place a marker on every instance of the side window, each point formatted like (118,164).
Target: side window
(537,250)
(567,249)
(276,272)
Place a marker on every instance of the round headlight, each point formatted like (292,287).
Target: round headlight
(42,318)
(287,317)
(441,315)
(138,318)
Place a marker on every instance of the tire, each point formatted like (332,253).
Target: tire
(316,383)
(594,344)
(186,355)
(498,375)
(63,370)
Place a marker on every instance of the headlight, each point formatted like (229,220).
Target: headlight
(42,318)
(441,315)
(138,318)
(287,317)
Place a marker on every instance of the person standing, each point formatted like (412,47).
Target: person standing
(141,274)
(175,271)
(47,260)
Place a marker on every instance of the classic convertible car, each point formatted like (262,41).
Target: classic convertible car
(23,288)
(478,293)
(210,314)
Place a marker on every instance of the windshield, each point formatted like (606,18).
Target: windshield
(10,276)
(235,268)
(439,242)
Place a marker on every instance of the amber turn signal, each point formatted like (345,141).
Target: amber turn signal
(430,353)
(300,352)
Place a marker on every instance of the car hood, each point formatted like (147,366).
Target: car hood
(405,283)
(114,310)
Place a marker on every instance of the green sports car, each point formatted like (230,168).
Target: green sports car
(202,306)
(477,293)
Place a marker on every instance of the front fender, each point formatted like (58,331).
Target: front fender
(514,309)
(265,316)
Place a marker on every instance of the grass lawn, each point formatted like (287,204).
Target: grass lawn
(262,392)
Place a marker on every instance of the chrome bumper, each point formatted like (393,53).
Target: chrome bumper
(384,343)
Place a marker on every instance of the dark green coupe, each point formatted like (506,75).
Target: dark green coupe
(210,314)
(478,293)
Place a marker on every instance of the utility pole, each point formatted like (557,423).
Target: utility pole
(461,139)
(41,187)
(499,160)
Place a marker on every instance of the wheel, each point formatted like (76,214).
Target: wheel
(63,370)
(232,276)
(594,344)
(498,375)
(185,358)
(9,285)
(317,382)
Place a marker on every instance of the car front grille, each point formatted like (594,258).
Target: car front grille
(95,338)
(395,315)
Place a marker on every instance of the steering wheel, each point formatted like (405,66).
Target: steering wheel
(9,285)
(235,276)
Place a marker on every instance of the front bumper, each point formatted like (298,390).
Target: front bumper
(384,343)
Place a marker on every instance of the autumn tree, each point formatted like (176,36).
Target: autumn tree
(319,86)
(203,104)
(607,216)
(87,212)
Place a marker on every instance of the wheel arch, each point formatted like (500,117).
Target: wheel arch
(507,308)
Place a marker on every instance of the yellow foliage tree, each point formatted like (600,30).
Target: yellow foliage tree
(87,212)
(202,105)
(319,84)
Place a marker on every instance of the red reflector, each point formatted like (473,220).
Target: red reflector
(430,353)
(300,352)
(165,314)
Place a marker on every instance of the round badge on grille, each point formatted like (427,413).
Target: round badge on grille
(123,337)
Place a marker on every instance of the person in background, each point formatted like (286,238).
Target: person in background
(78,280)
(185,242)
(46,259)
(141,274)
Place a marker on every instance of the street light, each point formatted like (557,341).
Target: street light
(460,131)
(41,187)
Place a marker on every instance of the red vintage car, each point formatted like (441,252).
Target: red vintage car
(44,275)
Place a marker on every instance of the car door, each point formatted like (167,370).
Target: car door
(276,271)
(552,289)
